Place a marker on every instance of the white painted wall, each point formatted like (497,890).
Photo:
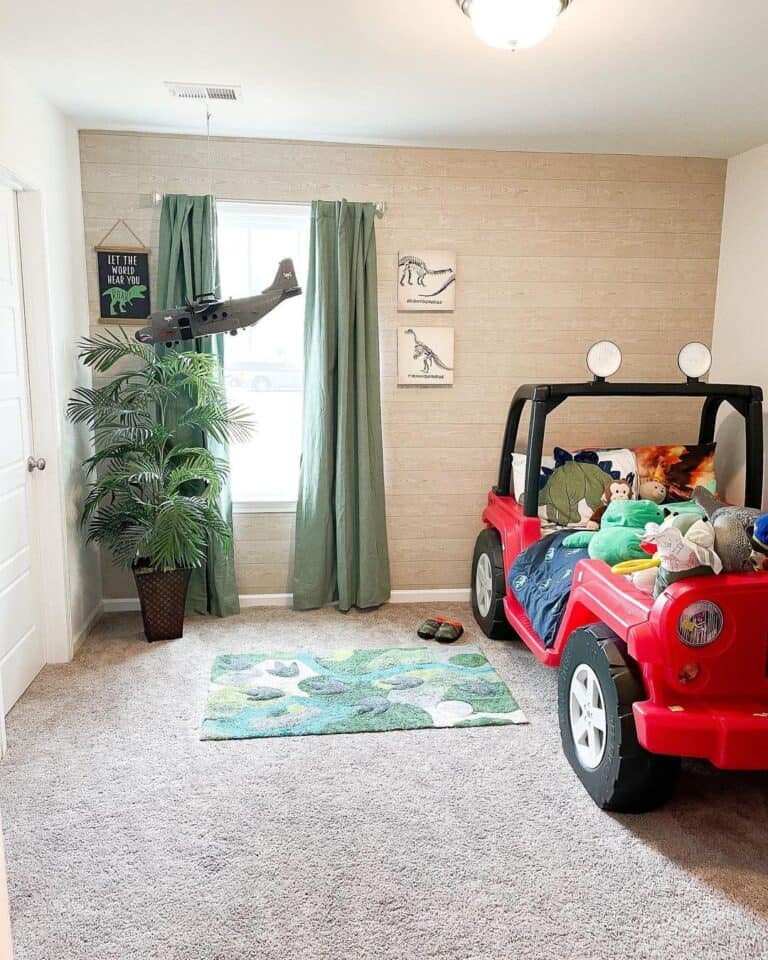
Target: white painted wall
(39,145)
(740,335)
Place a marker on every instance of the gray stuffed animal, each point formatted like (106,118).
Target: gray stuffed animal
(733,530)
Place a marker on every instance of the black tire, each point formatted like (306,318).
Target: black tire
(627,777)
(492,620)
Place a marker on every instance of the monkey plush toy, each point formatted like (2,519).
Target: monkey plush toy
(614,490)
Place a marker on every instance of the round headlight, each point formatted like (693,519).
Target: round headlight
(694,360)
(603,359)
(701,623)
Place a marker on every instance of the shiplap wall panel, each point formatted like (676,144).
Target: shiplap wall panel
(554,251)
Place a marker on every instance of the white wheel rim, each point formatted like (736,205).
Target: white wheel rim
(588,720)
(484,584)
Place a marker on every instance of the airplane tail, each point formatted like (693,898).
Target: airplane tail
(285,280)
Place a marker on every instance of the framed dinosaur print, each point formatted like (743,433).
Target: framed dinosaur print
(426,281)
(424,356)
(123,275)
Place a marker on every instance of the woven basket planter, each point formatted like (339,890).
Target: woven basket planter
(162,597)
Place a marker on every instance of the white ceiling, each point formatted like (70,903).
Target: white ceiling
(624,76)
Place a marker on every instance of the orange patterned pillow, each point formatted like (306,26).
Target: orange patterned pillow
(678,468)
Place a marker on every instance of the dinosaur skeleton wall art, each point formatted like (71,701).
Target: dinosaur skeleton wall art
(426,281)
(424,356)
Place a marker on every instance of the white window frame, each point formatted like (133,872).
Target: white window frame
(263,506)
(250,506)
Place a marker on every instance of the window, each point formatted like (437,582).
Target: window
(264,363)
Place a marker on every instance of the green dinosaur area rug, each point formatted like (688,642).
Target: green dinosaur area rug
(354,691)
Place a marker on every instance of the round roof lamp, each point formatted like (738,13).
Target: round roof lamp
(694,360)
(603,359)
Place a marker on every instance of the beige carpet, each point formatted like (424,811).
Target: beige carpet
(129,838)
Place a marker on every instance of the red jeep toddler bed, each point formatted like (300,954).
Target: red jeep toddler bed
(638,687)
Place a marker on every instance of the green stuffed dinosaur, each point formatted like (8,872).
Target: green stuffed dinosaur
(621,529)
(573,492)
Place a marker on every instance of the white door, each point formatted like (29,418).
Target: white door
(22,649)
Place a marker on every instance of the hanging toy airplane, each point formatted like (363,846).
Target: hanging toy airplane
(207,315)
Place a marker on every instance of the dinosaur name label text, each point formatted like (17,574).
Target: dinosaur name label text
(123,284)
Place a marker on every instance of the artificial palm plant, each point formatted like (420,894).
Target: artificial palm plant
(153,486)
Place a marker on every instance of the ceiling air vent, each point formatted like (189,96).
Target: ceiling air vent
(203,91)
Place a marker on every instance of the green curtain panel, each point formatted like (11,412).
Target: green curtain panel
(341,548)
(189,266)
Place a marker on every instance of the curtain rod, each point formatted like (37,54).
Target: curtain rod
(379,206)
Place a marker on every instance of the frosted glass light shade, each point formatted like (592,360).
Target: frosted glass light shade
(514,24)
(694,360)
(603,359)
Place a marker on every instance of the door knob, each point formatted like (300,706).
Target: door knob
(36,463)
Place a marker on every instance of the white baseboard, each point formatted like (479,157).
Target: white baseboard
(131,604)
(90,620)
(121,605)
(441,595)
(265,600)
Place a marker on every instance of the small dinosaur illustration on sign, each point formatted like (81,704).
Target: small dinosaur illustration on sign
(412,266)
(426,354)
(120,299)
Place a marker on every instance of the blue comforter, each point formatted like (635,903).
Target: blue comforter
(540,579)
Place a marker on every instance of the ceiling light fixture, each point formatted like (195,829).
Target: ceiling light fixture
(513,24)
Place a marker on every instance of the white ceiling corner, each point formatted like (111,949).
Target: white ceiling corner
(619,76)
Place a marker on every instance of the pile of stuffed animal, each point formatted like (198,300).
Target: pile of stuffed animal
(655,545)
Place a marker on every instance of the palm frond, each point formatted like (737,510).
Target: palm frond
(122,529)
(181,477)
(139,436)
(112,487)
(178,538)
(112,453)
(223,422)
(89,403)
(104,350)
(198,458)
(216,526)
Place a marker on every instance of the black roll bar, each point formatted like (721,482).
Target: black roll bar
(544,398)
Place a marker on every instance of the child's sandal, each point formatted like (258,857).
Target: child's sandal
(449,631)
(429,628)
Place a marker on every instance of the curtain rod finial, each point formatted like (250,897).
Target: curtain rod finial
(380,208)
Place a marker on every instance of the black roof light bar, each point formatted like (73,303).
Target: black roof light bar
(544,398)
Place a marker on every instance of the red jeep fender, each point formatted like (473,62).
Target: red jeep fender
(598,595)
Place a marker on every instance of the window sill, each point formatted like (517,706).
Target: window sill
(264,506)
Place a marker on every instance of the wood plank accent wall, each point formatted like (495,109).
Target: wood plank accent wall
(554,251)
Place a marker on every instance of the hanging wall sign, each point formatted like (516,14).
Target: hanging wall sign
(424,356)
(426,280)
(123,280)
